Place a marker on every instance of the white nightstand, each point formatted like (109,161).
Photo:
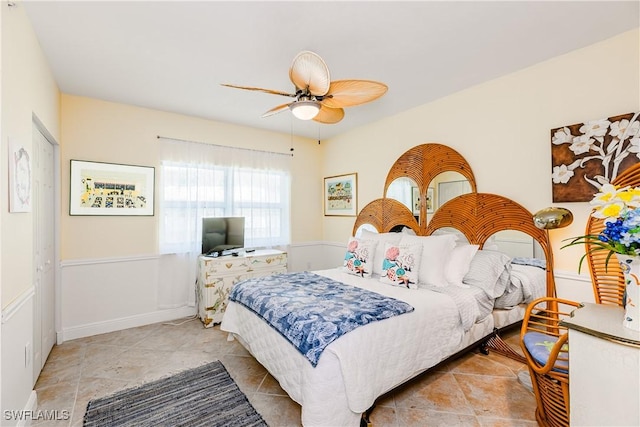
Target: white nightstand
(604,365)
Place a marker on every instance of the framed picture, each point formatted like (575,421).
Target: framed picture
(341,195)
(19,178)
(415,200)
(584,155)
(111,189)
(430,200)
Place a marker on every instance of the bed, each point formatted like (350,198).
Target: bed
(451,291)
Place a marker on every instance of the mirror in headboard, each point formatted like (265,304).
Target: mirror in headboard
(424,167)
(405,190)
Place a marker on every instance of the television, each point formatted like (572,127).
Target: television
(220,234)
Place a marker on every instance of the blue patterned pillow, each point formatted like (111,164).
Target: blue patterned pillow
(539,347)
(359,257)
(401,264)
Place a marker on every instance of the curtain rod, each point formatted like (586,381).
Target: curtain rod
(225,146)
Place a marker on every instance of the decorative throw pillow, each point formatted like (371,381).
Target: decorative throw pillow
(359,257)
(458,264)
(435,252)
(382,239)
(401,265)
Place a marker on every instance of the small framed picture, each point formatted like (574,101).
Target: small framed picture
(430,207)
(341,195)
(111,189)
(415,200)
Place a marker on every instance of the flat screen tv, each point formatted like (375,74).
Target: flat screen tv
(222,234)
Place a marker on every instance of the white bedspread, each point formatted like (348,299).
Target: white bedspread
(361,365)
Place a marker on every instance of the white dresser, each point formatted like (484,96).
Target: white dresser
(217,275)
(604,368)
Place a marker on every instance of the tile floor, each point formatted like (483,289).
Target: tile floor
(474,390)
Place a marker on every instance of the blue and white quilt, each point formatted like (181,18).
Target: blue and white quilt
(312,311)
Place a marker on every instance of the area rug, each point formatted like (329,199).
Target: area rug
(203,396)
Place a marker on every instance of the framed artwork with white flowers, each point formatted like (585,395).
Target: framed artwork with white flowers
(585,156)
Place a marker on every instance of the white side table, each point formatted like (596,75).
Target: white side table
(604,368)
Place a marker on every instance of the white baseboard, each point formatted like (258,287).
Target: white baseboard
(30,408)
(97,328)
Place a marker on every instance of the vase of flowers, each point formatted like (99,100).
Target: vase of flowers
(620,209)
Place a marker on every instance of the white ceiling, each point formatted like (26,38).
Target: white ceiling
(173,55)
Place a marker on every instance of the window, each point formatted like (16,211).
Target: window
(191,190)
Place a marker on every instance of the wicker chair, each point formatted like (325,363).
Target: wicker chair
(544,342)
(607,278)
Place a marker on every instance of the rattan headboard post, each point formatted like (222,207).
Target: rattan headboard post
(480,215)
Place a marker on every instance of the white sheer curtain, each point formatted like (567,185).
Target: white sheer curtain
(199,180)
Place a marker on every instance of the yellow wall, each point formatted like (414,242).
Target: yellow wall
(102,131)
(28,88)
(502,127)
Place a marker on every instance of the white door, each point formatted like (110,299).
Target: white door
(44,249)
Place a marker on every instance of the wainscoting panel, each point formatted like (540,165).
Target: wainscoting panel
(105,295)
(17,359)
(574,287)
(308,256)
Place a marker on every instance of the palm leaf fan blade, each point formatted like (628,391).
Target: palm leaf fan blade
(348,93)
(276,110)
(309,72)
(259,89)
(328,115)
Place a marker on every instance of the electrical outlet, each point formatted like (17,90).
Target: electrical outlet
(27,355)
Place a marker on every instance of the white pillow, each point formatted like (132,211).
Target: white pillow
(359,257)
(409,231)
(458,264)
(401,265)
(381,238)
(461,239)
(490,271)
(435,253)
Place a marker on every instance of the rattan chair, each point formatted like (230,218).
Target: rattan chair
(607,278)
(544,342)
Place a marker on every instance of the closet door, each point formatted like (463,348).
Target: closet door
(43,249)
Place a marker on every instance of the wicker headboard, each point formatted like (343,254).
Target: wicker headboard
(477,215)
(608,280)
(480,215)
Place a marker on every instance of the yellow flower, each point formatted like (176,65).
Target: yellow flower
(606,195)
(612,210)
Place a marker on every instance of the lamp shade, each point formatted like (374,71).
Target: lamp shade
(550,218)
(305,110)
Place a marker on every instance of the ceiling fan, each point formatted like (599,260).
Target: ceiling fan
(317,97)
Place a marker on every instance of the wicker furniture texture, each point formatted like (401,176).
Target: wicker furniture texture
(477,215)
(607,278)
(423,164)
(550,377)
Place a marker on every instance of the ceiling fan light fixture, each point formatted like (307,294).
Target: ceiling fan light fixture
(305,110)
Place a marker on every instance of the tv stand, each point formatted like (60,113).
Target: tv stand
(216,276)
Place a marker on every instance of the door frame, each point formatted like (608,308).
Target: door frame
(56,224)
